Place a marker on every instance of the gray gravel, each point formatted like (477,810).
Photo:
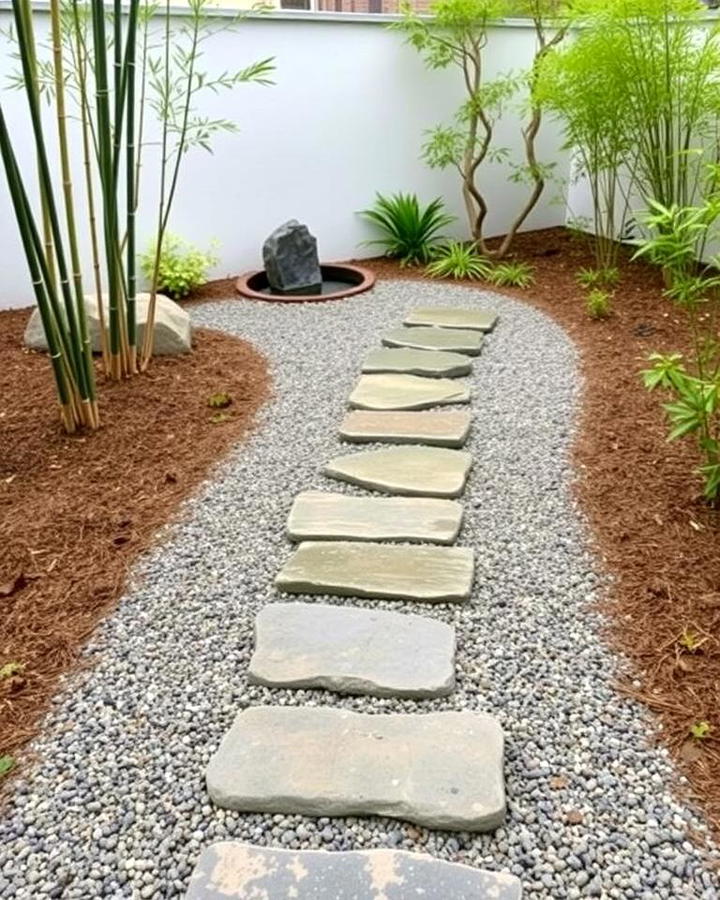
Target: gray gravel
(116,806)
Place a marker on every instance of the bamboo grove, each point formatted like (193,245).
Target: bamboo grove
(103,72)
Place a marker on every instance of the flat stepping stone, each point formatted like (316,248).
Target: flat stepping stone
(319,515)
(452,317)
(431,363)
(423,471)
(391,390)
(352,651)
(444,429)
(452,339)
(231,869)
(379,571)
(441,770)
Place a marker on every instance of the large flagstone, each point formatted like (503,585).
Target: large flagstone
(382,571)
(352,651)
(431,363)
(448,428)
(391,390)
(453,339)
(452,317)
(424,471)
(231,869)
(442,769)
(320,515)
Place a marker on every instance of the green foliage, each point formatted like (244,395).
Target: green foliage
(409,230)
(599,304)
(701,730)
(182,267)
(690,640)
(512,274)
(590,278)
(458,260)
(10,669)
(7,764)
(691,380)
(220,400)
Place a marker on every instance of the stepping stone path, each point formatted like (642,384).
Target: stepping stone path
(432,363)
(379,571)
(391,390)
(442,769)
(319,515)
(455,340)
(231,869)
(423,471)
(353,651)
(442,429)
(451,317)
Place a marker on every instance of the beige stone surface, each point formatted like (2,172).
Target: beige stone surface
(441,769)
(452,317)
(380,571)
(352,650)
(392,390)
(171,332)
(431,363)
(448,428)
(411,470)
(453,339)
(321,515)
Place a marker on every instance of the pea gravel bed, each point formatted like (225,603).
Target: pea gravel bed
(116,805)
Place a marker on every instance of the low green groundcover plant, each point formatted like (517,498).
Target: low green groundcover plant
(409,231)
(457,260)
(599,304)
(182,268)
(692,379)
(512,274)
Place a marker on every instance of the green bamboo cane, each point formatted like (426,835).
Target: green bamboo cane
(75,341)
(40,288)
(30,49)
(129,75)
(71,230)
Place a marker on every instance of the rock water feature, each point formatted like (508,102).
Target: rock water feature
(293,271)
(325,761)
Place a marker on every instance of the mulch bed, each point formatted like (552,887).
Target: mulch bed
(75,512)
(650,525)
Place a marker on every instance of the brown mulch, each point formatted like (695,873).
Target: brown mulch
(644,504)
(75,512)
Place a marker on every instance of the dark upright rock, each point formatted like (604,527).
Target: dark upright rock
(291,260)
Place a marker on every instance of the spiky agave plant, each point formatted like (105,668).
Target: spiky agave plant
(409,231)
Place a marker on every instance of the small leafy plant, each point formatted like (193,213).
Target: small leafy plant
(512,274)
(701,730)
(7,764)
(182,266)
(10,669)
(457,260)
(409,230)
(692,380)
(220,400)
(599,304)
(592,278)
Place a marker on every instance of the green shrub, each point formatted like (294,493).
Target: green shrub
(457,260)
(409,231)
(183,267)
(591,278)
(512,274)
(599,304)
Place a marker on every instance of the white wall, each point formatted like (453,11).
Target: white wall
(345,119)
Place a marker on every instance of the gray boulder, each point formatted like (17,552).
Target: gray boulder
(171,331)
(291,260)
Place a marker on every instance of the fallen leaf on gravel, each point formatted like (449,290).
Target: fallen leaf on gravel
(558,782)
(574,816)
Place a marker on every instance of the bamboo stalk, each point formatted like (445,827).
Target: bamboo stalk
(129,69)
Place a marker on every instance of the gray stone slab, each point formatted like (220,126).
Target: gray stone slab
(452,317)
(442,769)
(431,363)
(321,515)
(449,428)
(352,651)
(453,339)
(231,869)
(380,571)
(392,390)
(422,471)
